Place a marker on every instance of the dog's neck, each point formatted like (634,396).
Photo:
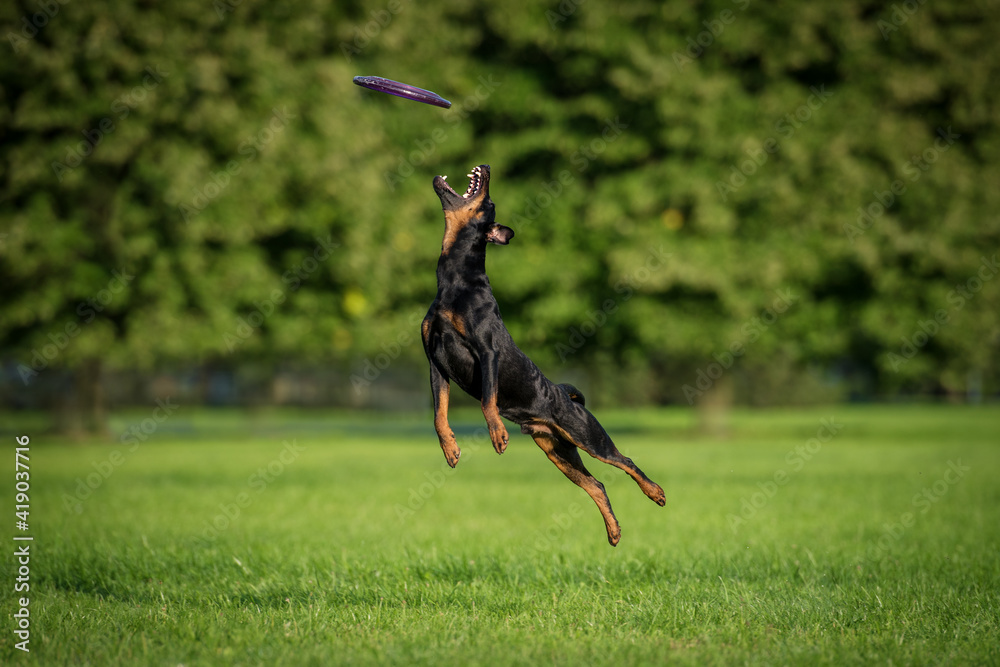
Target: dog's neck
(462,262)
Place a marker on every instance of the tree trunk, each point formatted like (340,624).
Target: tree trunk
(715,407)
(83,411)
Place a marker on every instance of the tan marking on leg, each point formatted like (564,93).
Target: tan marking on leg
(648,486)
(498,432)
(573,468)
(445,435)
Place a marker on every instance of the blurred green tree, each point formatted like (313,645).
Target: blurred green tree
(699,186)
(705,194)
(176,182)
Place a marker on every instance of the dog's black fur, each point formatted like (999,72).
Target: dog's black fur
(466,341)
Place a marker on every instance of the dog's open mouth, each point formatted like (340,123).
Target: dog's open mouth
(479,179)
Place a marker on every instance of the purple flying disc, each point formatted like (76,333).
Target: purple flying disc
(398,89)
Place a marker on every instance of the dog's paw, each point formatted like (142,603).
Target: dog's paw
(500,438)
(452,452)
(657,495)
(614,534)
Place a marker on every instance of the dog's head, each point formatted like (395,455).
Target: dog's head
(471,215)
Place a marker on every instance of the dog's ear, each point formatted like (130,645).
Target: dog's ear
(499,234)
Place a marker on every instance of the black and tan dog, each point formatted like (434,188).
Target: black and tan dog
(466,341)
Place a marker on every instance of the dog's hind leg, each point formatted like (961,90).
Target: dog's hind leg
(648,486)
(566,457)
(606,452)
(619,460)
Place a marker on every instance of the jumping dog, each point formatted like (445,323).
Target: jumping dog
(466,342)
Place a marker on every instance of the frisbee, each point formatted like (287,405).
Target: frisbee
(404,90)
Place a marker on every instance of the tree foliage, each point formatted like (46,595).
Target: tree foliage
(695,186)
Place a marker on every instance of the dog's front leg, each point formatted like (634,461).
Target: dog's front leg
(441,389)
(490,363)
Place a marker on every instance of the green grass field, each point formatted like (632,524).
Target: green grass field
(286,538)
